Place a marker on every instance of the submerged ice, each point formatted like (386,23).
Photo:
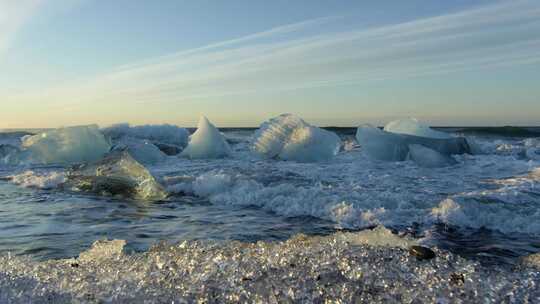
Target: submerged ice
(118,174)
(288,137)
(206,143)
(66,145)
(426,157)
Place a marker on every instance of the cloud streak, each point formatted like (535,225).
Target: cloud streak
(305,55)
(13,15)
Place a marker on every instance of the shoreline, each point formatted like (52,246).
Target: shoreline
(372,266)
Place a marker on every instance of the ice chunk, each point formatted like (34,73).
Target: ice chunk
(103,250)
(379,236)
(288,137)
(426,157)
(381,145)
(118,174)
(206,142)
(387,146)
(166,134)
(141,150)
(67,145)
(532,260)
(411,126)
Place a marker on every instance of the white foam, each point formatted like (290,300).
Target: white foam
(532,148)
(495,216)
(41,180)
(211,183)
(206,143)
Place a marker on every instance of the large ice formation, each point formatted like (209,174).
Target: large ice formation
(288,137)
(163,134)
(411,126)
(67,145)
(118,174)
(426,157)
(388,146)
(141,150)
(206,142)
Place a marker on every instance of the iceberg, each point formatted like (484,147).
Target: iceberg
(411,126)
(142,151)
(288,137)
(67,145)
(388,146)
(426,157)
(164,134)
(206,142)
(118,174)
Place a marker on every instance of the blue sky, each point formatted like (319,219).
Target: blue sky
(70,62)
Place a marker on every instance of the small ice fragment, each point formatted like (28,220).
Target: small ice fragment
(288,137)
(426,157)
(67,145)
(411,126)
(103,250)
(380,236)
(532,260)
(207,142)
(117,174)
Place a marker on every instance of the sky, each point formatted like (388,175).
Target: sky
(241,62)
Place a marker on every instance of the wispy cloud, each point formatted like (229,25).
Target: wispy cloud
(305,55)
(13,14)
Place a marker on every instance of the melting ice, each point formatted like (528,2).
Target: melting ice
(288,137)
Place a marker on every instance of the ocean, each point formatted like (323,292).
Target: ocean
(485,209)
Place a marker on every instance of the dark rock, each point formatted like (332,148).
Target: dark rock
(457,279)
(421,252)
(168,149)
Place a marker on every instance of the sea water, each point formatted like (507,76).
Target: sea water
(482,212)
